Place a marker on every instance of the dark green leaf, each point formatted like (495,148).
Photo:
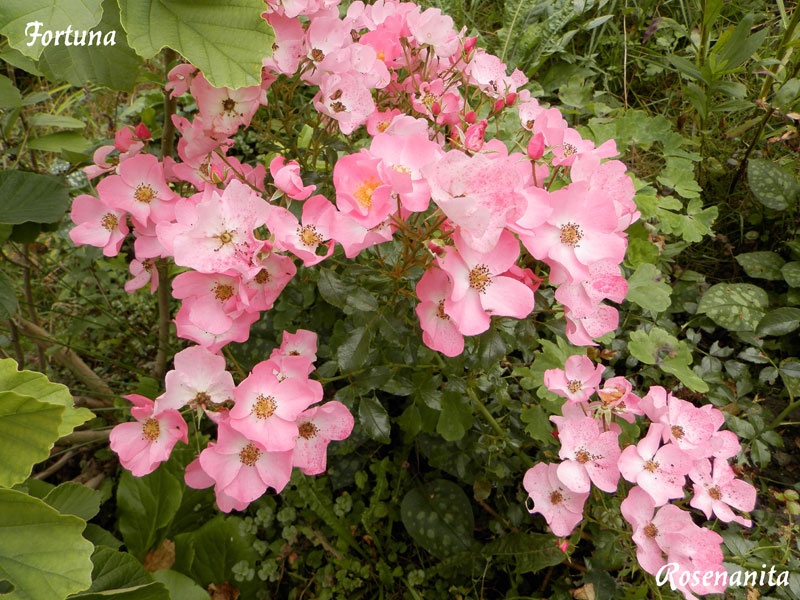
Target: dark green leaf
(332,289)
(31,197)
(791,273)
(374,419)
(9,94)
(8,298)
(528,552)
(762,265)
(354,351)
(734,306)
(456,416)
(779,321)
(771,184)
(180,586)
(75,499)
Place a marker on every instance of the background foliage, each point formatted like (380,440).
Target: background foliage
(425,499)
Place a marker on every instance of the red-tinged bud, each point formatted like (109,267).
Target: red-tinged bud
(554,433)
(511,99)
(436,108)
(470,117)
(536,147)
(473,138)
(436,247)
(563,546)
(142,132)
(498,105)
(469,45)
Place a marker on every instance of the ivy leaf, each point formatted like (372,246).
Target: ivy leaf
(227,40)
(438,515)
(374,419)
(734,306)
(771,184)
(762,265)
(54,15)
(646,289)
(43,554)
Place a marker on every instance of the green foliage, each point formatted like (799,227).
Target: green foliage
(734,306)
(227,41)
(772,185)
(17,188)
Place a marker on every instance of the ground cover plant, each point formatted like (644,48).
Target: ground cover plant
(304,299)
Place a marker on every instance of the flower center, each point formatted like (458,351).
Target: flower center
(428,99)
(556,497)
(309,236)
(569,150)
(574,386)
(479,278)
(202,398)
(262,277)
(151,429)
(571,234)
(338,107)
(607,397)
(677,432)
(229,106)
(144,193)
(249,455)
(383,126)
(317,55)
(582,456)
(308,430)
(264,407)
(651,466)
(715,493)
(223,292)
(650,530)
(109,221)
(226,237)
(363,193)
(440,311)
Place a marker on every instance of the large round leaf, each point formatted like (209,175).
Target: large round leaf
(42,552)
(734,306)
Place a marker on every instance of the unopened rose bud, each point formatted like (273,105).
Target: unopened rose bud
(473,138)
(436,108)
(498,105)
(469,45)
(142,132)
(511,99)
(436,247)
(536,147)
(563,546)
(470,117)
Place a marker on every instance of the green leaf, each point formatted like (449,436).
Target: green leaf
(42,553)
(54,15)
(791,273)
(180,586)
(354,351)
(8,298)
(31,383)
(9,94)
(528,552)
(146,508)
(60,121)
(332,289)
(69,141)
(456,416)
(31,197)
(114,66)
(75,499)
(761,265)
(209,554)
(120,576)
(226,40)
(28,428)
(734,306)
(537,422)
(771,184)
(657,347)
(374,419)
(779,321)
(735,46)
(647,289)
(438,515)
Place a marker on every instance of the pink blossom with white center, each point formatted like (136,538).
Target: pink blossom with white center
(354,237)
(265,408)
(439,103)
(195,147)
(143,272)
(287,50)
(718,491)
(480,194)
(288,367)
(582,330)
(286,177)
(268,275)
(238,331)
(199,379)
(345,98)
(98,224)
(617,399)
(212,301)
(317,427)
(670,535)
(242,469)
(609,178)
(361,194)
(439,332)
(431,27)
(658,470)
(223,110)
(589,454)
(583,295)
(140,189)
(488,73)
(577,381)
(145,443)
(580,231)
(690,428)
(324,36)
(216,234)
(361,61)
(480,287)
(402,159)
(309,239)
(180,77)
(528,109)
(300,343)
(561,507)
